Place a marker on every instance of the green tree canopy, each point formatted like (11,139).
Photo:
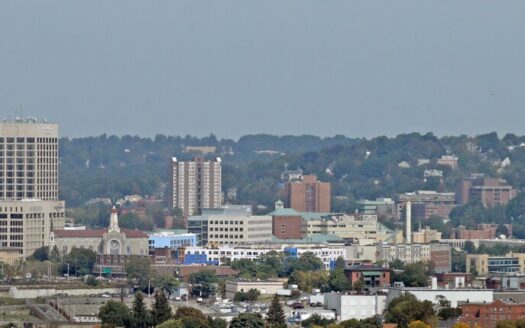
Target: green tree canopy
(203,283)
(161,309)
(275,316)
(81,261)
(247,320)
(406,308)
(114,314)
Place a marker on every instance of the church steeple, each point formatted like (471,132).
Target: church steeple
(113,221)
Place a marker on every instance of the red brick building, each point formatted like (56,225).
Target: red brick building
(308,195)
(488,191)
(483,231)
(372,276)
(440,256)
(486,315)
(453,279)
(287,226)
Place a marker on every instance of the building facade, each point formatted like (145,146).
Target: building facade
(171,240)
(488,191)
(29,205)
(455,296)
(383,207)
(426,236)
(269,287)
(439,254)
(196,185)
(348,227)
(308,195)
(28,160)
(484,264)
(286,223)
(488,314)
(483,231)
(427,203)
(230,225)
(372,276)
(357,307)
(110,241)
(224,255)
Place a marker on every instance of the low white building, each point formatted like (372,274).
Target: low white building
(355,306)
(223,254)
(305,314)
(455,296)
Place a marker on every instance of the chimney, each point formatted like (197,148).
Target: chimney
(408,222)
(434,283)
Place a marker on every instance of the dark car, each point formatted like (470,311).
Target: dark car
(297,305)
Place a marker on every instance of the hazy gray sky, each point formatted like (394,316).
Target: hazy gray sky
(359,68)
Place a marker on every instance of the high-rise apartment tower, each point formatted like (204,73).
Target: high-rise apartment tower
(308,195)
(196,185)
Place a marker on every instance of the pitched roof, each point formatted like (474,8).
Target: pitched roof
(96,233)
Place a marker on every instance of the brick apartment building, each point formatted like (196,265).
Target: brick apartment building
(486,315)
(483,231)
(427,203)
(372,276)
(489,191)
(308,195)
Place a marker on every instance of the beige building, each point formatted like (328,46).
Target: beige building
(26,225)
(28,160)
(110,241)
(342,225)
(229,225)
(196,185)
(438,254)
(264,287)
(9,255)
(224,230)
(483,264)
(29,205)
(425,236)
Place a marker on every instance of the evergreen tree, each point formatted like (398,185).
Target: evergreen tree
(275,316)
(114,314)
(161,310)
(247,320)
(139,312)
(55,254)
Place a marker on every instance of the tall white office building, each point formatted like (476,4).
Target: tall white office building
(29,205)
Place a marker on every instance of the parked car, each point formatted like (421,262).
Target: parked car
(297,305)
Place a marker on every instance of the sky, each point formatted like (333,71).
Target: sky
(359,68)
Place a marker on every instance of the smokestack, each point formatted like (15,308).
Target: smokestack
(434,283)
(408,222)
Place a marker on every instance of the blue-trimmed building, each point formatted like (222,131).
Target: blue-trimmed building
(172,240)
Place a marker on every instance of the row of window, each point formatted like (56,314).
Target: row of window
(12,237)
(225,229)
(52,215)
